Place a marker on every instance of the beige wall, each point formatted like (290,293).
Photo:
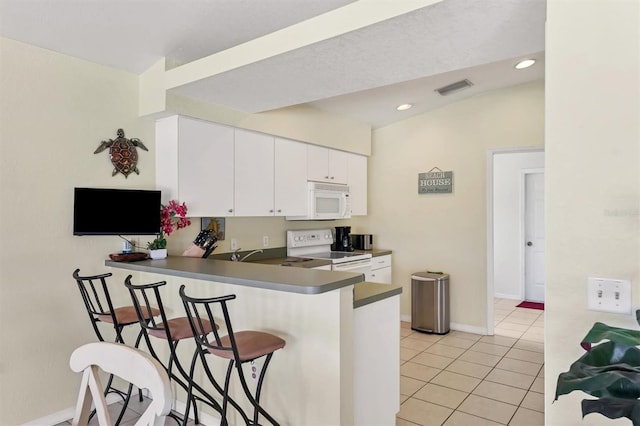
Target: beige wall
(300,122)
(447,232)
(593,176)
(55,110)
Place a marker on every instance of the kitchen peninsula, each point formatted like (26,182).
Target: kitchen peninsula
(340,364)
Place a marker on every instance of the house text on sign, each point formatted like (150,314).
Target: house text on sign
(435,182)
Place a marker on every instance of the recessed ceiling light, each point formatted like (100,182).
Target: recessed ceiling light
(525,64)
(403,107)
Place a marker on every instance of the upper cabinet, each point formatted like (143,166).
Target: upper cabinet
(327,165)
(290,178)
(194,164)
(357,180)
(270,175)
(253,174)
(224,171)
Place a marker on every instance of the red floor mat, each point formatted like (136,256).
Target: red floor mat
(531,305)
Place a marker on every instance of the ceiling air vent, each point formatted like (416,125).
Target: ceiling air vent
(454,87)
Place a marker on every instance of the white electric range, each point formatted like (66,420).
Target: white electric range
(316,244)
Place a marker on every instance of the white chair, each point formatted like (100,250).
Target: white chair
(128,363)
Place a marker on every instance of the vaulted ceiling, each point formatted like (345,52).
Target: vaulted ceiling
(359,59)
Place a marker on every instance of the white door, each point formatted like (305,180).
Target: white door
(534,234)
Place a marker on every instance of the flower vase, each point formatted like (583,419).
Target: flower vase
(158,254)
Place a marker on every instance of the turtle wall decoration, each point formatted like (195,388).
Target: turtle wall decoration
(123,153)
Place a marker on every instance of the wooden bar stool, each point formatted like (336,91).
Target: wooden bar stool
(128,363)
(97,301)
(237,347)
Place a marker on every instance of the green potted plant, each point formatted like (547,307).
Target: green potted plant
(609,371)
(172,216)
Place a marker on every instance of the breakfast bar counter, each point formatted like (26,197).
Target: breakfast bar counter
(270,277)
(331,321)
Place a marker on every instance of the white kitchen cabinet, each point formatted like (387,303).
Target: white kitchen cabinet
(194,164)
(381,269)
(253,174)
(270,175)
(327,165)
(290,178)
(357,181)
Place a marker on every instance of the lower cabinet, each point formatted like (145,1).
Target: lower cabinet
(381,269)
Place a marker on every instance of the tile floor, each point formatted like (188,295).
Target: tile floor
(463,379)
(469,379)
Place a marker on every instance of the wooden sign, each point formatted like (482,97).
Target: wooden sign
(435,181)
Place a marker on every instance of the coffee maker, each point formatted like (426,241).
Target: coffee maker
(342,239)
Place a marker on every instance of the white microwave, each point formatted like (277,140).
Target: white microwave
(326,201)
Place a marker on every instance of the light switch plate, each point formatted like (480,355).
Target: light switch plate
(609,295)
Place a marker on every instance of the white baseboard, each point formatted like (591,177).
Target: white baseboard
(67,414)
(468,328)
(507,296)
(453,326)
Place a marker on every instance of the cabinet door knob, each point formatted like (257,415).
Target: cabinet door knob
(230,210)
(331,177)
(271,211)
(279,210)
(326,177)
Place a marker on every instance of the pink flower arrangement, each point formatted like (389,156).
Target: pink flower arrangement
(173,216)
(170,212)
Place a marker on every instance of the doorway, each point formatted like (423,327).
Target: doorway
(506,254)
(534,235)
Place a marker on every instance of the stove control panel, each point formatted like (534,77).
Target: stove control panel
(309,238)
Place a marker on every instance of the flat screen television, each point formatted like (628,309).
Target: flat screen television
(99,211)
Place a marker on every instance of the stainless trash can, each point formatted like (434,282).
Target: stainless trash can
(430,302)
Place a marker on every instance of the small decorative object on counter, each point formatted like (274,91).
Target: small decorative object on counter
(173,216)
(123,153)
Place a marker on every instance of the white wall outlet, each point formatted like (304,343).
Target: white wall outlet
(265,241)
(234,244)
(609,295)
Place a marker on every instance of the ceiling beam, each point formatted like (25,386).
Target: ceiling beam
(348,18)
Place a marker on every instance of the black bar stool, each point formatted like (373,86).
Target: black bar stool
(237,347)
(97,302)
(172,331)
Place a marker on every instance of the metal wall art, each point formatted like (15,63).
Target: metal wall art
(123,153)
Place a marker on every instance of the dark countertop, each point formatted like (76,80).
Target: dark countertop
(366,292)
(250,274)
(375,252)
(295,262)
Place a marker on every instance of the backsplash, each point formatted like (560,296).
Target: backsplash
(248,231)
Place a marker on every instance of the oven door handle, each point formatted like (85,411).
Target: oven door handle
(346,266)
